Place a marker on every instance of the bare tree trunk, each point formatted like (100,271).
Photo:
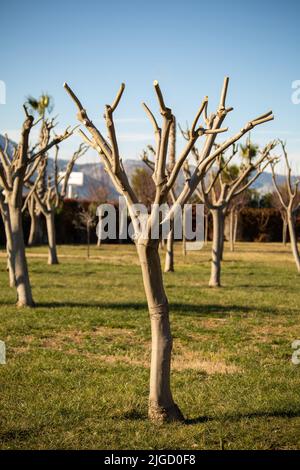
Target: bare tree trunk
(161,404)
(221,236)
(36,231)
(8,235)
(183,234)
(231,229)
(88,240)
(218,234)
(169,260)
(293,239)
(206,219)
(236,219)
(284,230)
(18,258)
(52,252)
(35,234)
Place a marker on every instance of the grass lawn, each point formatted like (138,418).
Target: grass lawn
(78,364)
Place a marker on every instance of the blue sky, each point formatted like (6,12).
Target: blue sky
(189,46)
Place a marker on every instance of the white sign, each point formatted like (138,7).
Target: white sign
(75,179)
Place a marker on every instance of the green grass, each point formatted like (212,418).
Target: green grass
(78,364)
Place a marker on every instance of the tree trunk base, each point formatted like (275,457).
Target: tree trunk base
(21,304)
(159,414)
(169,270)
(53,261)
(214,284)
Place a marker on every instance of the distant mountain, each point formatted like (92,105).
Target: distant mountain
(94,172)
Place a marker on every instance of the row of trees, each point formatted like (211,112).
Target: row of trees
(225,191)
(212,180)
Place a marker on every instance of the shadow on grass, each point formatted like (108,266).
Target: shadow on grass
(178,308)
(14,434)
(239,416)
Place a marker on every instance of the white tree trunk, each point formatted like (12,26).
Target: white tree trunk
(8,235)
(293,239)
(52,253)
(222,225)
(169,260)
(284,231)
(161,404)
(36,231)
(217,247)
(231,229)
(206,219)
(236,220)
(19,262)
(183,234)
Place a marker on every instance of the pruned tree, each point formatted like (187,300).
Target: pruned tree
(52,194)
(15,171)
(162,406)
(288,196)
(223,185)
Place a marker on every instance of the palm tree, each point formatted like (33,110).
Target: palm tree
(248,151)
(40,105)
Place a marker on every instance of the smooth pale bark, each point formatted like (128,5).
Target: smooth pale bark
(221,239)
(236,219)
(169,260)
(183,234)
(217,246)
(293,239)
(52,253)
(18,259)
(161,404)
(284,231)
(8,235)
(231,230)
(206,218)
(36,232)
(88,240)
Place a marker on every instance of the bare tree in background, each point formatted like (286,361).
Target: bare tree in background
(162,406)
(41,105)
(86,221)
(235,207)
(15,171)
(222,187)
(289,199)
(35,234)
(275,201)
(51,196)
